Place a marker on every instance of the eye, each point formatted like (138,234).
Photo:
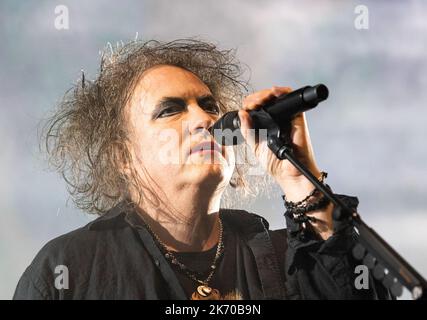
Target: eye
(169,110)
(211,107)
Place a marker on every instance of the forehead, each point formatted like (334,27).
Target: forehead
(169,81)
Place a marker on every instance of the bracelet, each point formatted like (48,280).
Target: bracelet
(320,203)
(323,176)
(297,210)
(299,216)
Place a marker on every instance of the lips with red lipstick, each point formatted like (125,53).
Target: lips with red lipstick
(207,146)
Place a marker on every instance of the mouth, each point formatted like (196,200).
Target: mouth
(207,146)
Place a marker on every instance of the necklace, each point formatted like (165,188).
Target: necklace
(203,291)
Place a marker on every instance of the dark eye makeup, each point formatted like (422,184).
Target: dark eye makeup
(170,109)
(209,104)
(170,106)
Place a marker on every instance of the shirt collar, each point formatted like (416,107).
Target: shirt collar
(114,218)
(124,214)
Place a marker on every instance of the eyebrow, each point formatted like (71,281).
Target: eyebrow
(205,98)
(178,100)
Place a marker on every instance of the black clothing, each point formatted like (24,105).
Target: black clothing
(115,257)
(235,269)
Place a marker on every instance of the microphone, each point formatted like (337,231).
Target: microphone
(281,110)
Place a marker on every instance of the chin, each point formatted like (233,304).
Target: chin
(205,167)
(207,173)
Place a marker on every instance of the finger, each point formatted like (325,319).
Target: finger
(256,100)
(299,119)
(278,91)
(246,128)
(299,128)
(301,137)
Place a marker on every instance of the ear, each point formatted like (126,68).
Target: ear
(236,180)
(123,156)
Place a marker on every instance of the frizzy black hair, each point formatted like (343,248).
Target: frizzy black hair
(86,136)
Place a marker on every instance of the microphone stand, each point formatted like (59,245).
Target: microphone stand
(387,265)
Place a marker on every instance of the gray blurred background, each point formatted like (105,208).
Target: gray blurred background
(370,135)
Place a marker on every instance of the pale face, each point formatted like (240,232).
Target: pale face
(169,113)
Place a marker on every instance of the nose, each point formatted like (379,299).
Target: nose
(199,120)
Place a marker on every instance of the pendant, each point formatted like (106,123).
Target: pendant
(205,292)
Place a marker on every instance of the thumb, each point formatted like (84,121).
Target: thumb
(246,128)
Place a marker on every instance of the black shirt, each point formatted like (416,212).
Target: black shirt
(115,257)
(232,275)
(199,263)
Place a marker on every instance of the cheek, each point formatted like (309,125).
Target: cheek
(160,149)
(142,145)
(154,148)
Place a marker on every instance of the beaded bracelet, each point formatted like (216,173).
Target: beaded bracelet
(323,176)
(320,203)
(297,210)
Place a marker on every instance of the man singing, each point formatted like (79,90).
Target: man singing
(162,233)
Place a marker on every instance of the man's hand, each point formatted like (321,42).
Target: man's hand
(282,171)
(293,183)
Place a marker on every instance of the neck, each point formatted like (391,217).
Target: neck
(186,219)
